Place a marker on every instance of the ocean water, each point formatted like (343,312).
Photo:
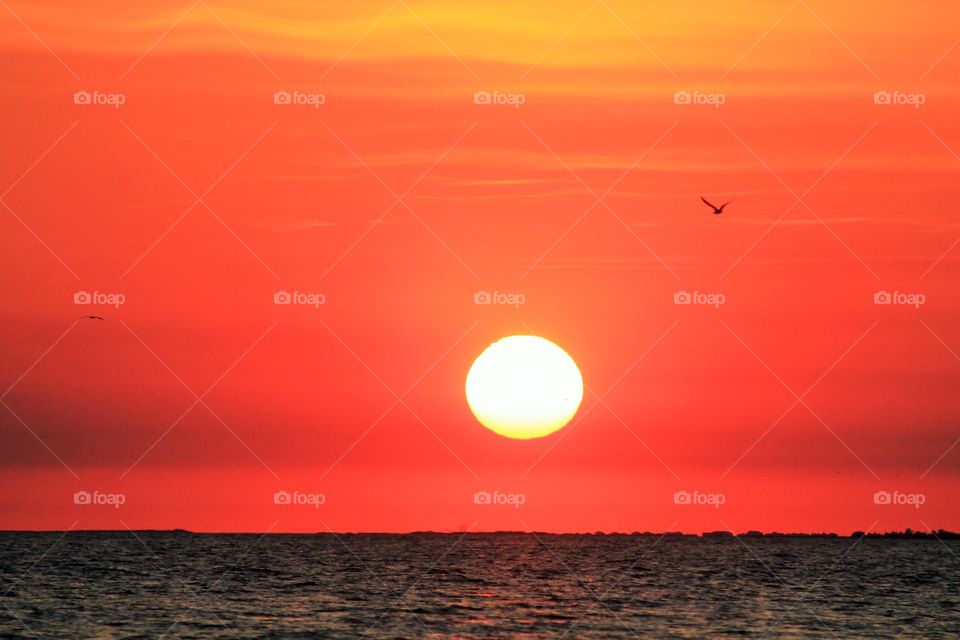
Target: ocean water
(179,585)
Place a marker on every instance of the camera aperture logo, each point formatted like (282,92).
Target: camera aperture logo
(899,297)
(99,297)
(895,498)
(299,499)
(499,297)
(99,99)
(486,498)
(98,499)
(698,297)
(915,100)
(498,98)
(298,297)
(699,98)
(697,498)
(299,98)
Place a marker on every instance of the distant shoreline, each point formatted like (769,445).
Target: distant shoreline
(907,534)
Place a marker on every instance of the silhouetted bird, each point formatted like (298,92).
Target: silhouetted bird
(93,317)
(716,210)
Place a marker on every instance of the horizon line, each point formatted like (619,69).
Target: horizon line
(719,533)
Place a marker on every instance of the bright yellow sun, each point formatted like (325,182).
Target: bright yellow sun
(524,387)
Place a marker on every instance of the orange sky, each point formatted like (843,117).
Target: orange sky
(398,198)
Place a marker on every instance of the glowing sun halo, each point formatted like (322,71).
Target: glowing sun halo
(524,387)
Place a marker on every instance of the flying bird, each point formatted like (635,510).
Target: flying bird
(716,210)
(93,317)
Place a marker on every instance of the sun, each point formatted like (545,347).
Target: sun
(524,387)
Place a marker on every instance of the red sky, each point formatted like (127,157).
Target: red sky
(836,198)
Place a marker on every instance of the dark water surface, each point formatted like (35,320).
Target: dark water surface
(151,585)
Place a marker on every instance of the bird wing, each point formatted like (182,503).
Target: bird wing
(725,204)
(707,202)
